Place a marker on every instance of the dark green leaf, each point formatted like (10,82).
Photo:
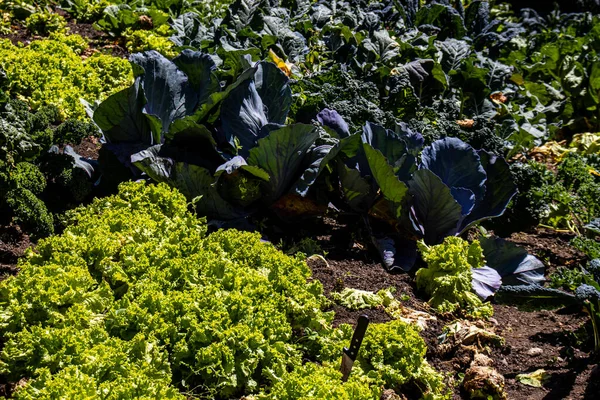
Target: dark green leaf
(436,210)
(281,154)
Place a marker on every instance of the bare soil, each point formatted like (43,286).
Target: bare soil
(88,148)
(565,353)
(98,40)
(562,338)
(550,246)
(13,243)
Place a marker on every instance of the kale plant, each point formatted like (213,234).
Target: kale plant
(566,198)
(32,180)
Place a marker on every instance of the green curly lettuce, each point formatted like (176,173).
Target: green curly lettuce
(447,278)
(222,308)
(136,368)
(51,71)
(142,40)
(135,300)
(320,382)
(44,22)
(355,299)
(392,355)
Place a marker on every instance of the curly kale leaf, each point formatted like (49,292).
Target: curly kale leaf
(28,176)
(355,99)
(25,135)
(30,211)
(27,167)
(564,199)
(20,186)
(531,203)
(590,247)
(74,131)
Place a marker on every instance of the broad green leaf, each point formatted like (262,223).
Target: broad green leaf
(120,116)
(243,115)
(188,130)
(437,211)
(382,46)
(453,53)
(444,17)
(274,90)
(594,84)
(153,164)
(355,189)
(200,71)
(319,157)
(281,154)
(391,187)
(197,182)
(169,95)
(242,13)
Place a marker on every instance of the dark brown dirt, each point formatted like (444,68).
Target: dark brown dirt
(565,357)
(550,246)
(336,275)
(564,336)
(13,243)
(98,40)
(88,148)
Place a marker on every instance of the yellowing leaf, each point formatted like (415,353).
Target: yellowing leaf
(518,79)
(586,143)
(533,379)
(498,98)
(282,65)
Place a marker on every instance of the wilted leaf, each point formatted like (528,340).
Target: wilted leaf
(533,379)
(466,123)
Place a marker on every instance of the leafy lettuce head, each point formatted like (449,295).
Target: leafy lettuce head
(448,277)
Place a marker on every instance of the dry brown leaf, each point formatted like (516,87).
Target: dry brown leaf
(466,123)
(146,22)
(498,98)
